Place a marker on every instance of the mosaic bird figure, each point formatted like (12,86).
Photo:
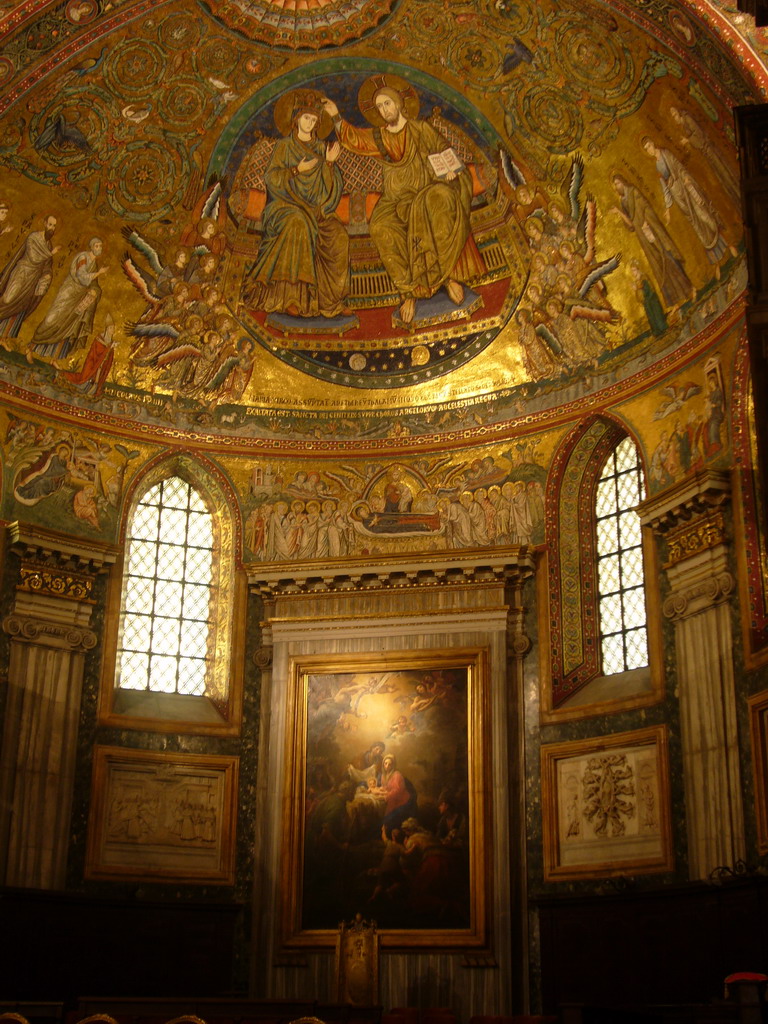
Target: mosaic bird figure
(63,134)
(89,64)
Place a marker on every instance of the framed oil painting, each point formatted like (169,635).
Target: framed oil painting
(605,806)
(386,798)
(758,727)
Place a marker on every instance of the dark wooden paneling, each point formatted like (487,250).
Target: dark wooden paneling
(667,946)
(59,945)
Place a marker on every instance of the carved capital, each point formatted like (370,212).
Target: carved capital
(519,645)
(49,634)
(518,641)
(263,657)
(699,596)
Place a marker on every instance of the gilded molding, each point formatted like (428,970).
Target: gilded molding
(395,577)
(694,536)
(699,596)
(49,634)
(54,582)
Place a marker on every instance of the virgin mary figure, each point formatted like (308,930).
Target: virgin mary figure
(302,267)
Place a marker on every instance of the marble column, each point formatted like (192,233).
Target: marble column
(690,519)
(518,646)
(50,632)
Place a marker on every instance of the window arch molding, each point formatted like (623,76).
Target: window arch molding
(219,709)
(572,679)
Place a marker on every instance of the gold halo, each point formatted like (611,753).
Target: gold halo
(302,99)
(371,86)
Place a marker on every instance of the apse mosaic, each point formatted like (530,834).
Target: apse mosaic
(444,218)
(410,263)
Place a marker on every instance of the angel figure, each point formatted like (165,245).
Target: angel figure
(676,396)
(158,281)
(194,260)
(577,254)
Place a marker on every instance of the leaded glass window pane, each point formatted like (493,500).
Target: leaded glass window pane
(170,562)
(166,615)
(637,648)
(613,654)
(196,600)
(609,574)
(605,497)
(176,493)
(162,673)
(169,596)
(633,604)
(145,522)
(138,594)
(198,568)
(200,529)
(634,563)
(607,536)
(134,670)
(152,497)
(610,614)
(165,636)
(191,675)
(629,530)
(621,582)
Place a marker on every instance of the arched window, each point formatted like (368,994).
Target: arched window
(165,619)
(620,573)
(601,622)
(174,629)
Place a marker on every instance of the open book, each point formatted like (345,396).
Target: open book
(446,162)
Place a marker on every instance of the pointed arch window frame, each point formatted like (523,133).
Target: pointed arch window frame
(217,711)
(620,568)
(568,591)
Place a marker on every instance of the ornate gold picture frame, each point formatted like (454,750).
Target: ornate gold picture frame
(758,727)
(156,816)
(386,801)
(605,806)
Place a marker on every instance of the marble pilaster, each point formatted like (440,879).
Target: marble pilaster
(690,519)
(49,627)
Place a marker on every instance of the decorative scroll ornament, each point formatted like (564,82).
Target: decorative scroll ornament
(49,634)
(520,645)
(699,596)
(263,657)
(518,641)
